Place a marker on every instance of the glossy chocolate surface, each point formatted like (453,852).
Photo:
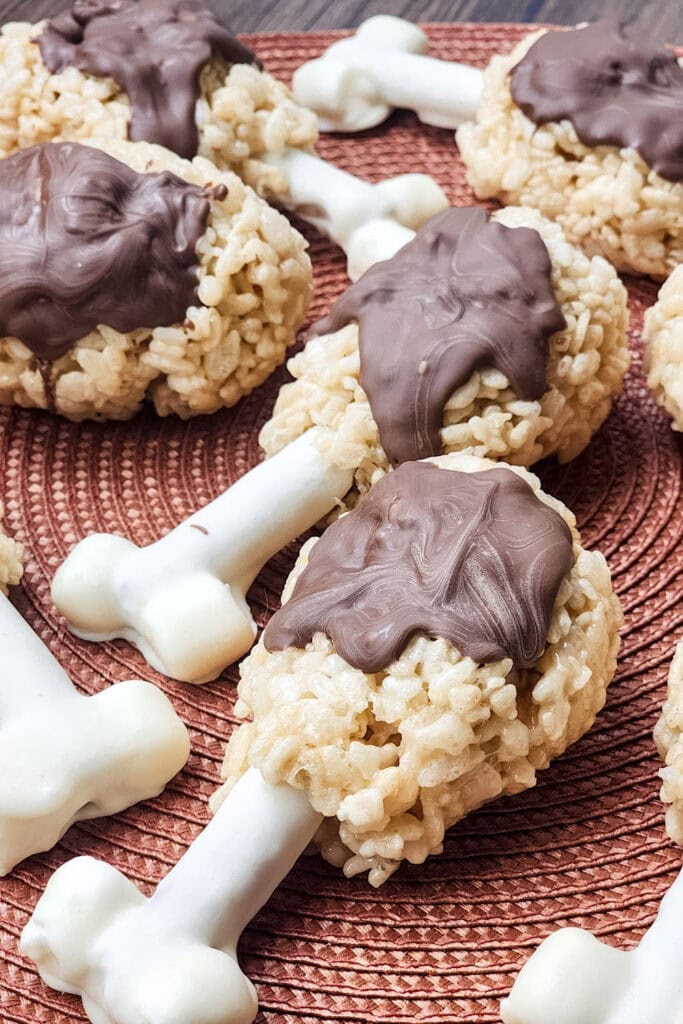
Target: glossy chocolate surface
(475,558)
(615,89)
(154,50)
(465,294)
(85,240)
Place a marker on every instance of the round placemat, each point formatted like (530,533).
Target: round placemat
(441,942)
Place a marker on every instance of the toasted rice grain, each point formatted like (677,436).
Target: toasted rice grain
(608,200)
(254,287)
(586,367)
(669,740)
(242,113)
(663,347)
(394,758)
(10,559)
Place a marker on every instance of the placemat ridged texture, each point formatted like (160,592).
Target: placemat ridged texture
(441,942)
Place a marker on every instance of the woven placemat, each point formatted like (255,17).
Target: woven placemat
(441,942)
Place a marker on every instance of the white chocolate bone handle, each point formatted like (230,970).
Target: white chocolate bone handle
(182,601)
(572,978)
(358,81)
(369,222)
(65,757)
(172,959)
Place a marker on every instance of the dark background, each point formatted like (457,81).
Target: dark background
(664,17)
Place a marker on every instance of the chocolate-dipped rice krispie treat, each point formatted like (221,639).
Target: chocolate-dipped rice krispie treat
(436,648)
(10,559)
(669,740)
(663,347)
(585,125)
(128,273)
(162,71)
(490,334)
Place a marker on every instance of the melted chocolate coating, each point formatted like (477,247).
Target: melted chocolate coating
(85,240)
(465,294)
(475,558)
(616,91)
(154,50)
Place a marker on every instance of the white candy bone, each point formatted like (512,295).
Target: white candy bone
(171,959)
(182,601)
(358,81)
(65,757)
(572,978)
(369,222)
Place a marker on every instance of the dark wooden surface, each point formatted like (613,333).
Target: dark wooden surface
(664,17)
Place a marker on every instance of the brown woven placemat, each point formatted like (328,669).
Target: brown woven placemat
(441,942)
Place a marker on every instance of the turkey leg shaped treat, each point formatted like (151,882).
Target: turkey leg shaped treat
(585,125)
(488,335)
(437,647)
(127,273)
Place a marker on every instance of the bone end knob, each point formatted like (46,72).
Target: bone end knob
(188,628)
(92,935)
(183,600)
(355,97)
(374,242)
(64,756)
(193,629)
(387,32)
(409,201)
(84,585)
(572,978)
(413,198)
(84,758)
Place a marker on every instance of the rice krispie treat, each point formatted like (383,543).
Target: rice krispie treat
(669,740)
(489,335)
(128,273)
(10,559)
(436,648)
(585,126)
(663,347)
(161,71)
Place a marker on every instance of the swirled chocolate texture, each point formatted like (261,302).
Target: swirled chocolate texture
(85,240)
(465,294)
(475,558)
(154,50)
(615,90)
